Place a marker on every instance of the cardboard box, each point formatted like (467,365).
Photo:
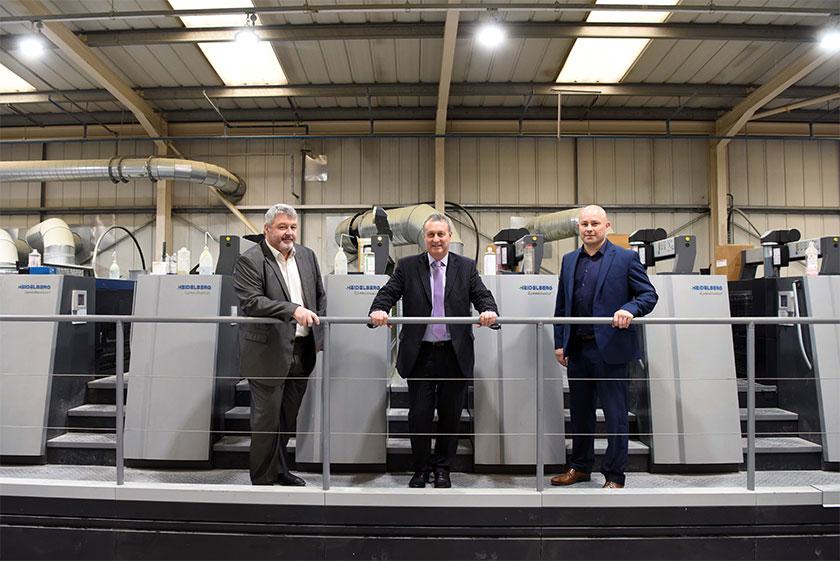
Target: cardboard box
(728,260)
(621,240)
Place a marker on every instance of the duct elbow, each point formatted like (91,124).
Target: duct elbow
(8,251)
(56,239)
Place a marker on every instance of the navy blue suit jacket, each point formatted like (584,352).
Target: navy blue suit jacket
(622,284)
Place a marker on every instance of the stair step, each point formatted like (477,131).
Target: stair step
(782,445)
(398,445)
(742,386)
(107,383)
(93,410)
(87,440)
(401,414)
(770,414)
(634,447)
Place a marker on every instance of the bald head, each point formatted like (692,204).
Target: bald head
(593,211)
(593,225)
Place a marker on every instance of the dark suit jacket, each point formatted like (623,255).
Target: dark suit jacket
(265,350)
(412,283)
(622,284)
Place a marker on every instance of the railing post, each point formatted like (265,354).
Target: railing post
(539,397)
(751,406)
(120,420)
(325,409)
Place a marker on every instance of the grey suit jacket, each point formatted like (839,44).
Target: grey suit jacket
(266,350)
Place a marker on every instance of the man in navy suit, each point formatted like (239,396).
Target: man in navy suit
(599,280)
(437,359)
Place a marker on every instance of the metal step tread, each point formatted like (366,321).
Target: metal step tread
(770,414)
(101,440)
(401,414)
(742,386)
(93,410)
(782,445)
(242,444)
(398,445)
(599,415)
(107,383)
(634,447)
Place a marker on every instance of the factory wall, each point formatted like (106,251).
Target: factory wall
(657,182)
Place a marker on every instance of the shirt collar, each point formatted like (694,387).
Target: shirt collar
(445,259)
(276,252)
(600,249)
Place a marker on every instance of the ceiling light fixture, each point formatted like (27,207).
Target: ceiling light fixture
(247,36)
(830,40)
(491,34)
(32,45)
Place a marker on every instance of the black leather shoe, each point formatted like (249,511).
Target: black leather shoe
(442,480)
(290,480)
(419,479)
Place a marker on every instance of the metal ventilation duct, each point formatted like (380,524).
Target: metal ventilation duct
(555,225)
(123,170)
(406,225)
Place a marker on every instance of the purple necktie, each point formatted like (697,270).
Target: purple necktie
(438,329)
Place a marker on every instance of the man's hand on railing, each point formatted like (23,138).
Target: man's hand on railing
(306,317)
(378,318)
(622,319)
(561,358)
(486,319)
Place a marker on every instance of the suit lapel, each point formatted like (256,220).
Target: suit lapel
(609,255)
(569,269)
(272,264)
(451,273)
(306,273)
(426,279)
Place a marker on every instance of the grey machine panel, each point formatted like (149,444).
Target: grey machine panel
(358,381)
(174,367)
(822,297)
(505,377)
(692,390)
(32,355)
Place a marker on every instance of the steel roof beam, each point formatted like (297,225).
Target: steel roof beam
(529,30)
(407,89)
(403,7)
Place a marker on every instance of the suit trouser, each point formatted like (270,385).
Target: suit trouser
(607,383)
(274,410)
(426,390)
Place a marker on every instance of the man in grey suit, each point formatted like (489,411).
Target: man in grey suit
(278,279)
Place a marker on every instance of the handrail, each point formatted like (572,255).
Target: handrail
(327,321)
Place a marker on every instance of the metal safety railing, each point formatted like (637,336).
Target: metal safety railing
(326,323)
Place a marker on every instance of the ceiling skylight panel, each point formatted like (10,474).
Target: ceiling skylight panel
(609,60)
(236,63)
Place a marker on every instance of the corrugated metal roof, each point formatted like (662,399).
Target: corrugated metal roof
(412,61)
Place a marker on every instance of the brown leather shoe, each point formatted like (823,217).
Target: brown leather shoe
(612,485)
(570,477)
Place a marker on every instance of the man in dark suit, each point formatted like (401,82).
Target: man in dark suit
(278,279)
(599,280)
(437,359)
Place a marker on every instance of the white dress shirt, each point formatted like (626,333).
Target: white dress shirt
(291,276)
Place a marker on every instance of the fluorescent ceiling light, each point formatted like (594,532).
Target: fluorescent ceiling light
(830,40)
(31,46)
(609,60)
(239,63)
(490,35)
(12,83)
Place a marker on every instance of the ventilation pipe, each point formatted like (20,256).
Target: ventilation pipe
(8,252)
(555,225)
(122,170)
(406,224)
(54,237)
